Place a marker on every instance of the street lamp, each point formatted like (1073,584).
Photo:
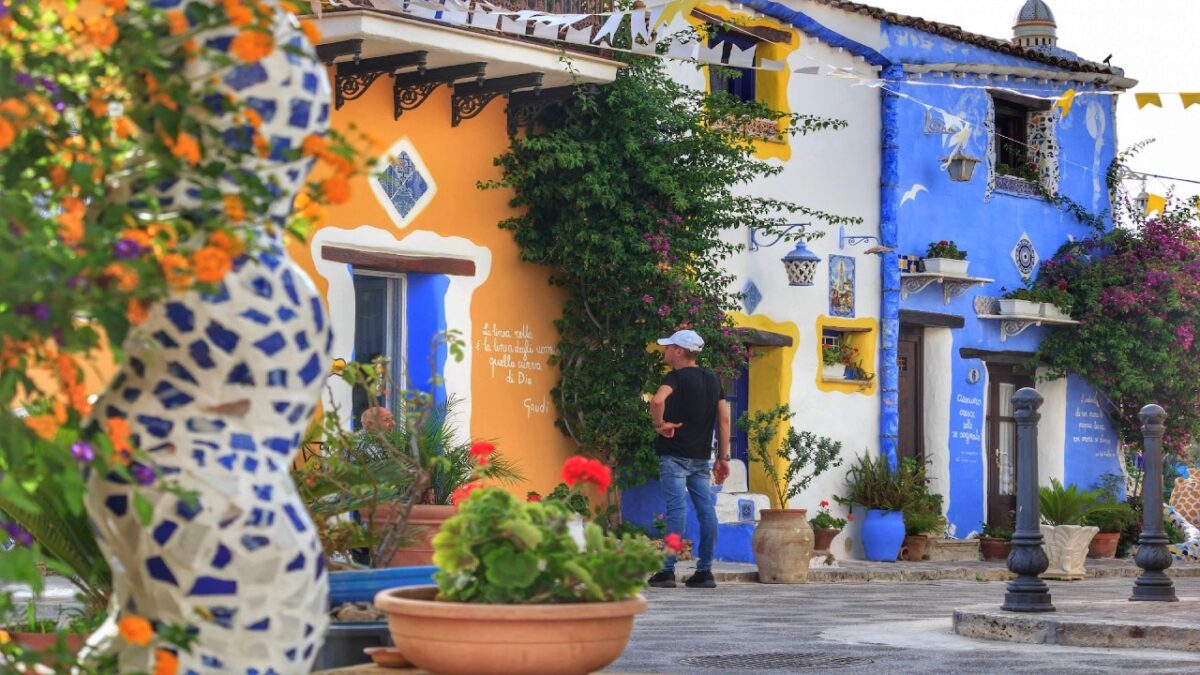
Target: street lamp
(960,165)
(800,264)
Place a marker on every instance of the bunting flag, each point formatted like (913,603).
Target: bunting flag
(1144,100)
(1064,102)
(1156,204)
(1189,99)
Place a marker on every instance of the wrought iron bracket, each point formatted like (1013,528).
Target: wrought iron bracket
(525,106)
(353,78)
(468,100)
(755,244)
(409,90)
(328,52)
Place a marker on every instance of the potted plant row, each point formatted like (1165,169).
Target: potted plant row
(887,494)
(836,359)
(944,257)
(1037,299)
(519,582)
(783,541)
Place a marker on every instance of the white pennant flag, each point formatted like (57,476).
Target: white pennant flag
(741,58)
(772,64)
(579,36)
(545,31)
(710,54)
(609,29)
(486,20)
(509,25)
(455,17)
(682,50)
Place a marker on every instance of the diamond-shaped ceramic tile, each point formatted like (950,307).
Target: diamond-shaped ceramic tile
(1025,256)
(751,296)
(403,184)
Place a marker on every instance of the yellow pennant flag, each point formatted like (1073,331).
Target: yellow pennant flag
(677,7)
(1189,99)
(1065,101)
(1144,100)
(1156,204)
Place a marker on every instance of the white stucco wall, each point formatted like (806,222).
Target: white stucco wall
(938,356)
(1052,429)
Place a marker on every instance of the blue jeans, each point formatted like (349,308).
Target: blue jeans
(680,476)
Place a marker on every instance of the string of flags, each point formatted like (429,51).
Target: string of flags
(1187,99)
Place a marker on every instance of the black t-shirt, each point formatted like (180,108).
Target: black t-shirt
(695,393)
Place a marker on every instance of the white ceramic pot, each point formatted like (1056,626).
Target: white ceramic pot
(835,372)
(1010,307)
(1051,311)
(1066,547)
(946,266)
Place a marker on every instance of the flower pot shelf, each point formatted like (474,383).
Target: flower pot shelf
(842,380)
(953,285)
(1012,325)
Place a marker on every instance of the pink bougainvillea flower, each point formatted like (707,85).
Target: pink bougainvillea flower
(673,542)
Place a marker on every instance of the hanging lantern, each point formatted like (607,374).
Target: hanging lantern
(1142,202)
(960,165)
(801,265)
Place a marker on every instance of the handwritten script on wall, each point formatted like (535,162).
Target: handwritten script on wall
(1088,424)
(966,425)
(515,357)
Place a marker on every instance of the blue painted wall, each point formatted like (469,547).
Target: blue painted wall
(1091,441)
(988,231)
(425,315)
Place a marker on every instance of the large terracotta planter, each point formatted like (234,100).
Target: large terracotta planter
(41,642)
(994,548)
(1066,546)
(1104,545)
(914,546)
(426,519)
(455,638)
(783,546)
(823,537)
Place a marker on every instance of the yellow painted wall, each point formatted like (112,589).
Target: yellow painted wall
(515,293)
(770,384)
(770,86)
(867,343)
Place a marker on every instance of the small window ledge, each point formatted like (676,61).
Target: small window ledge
(1018,187)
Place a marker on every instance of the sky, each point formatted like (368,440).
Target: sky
(1154,41)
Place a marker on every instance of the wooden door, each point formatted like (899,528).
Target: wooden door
(1001,440)
(909,351)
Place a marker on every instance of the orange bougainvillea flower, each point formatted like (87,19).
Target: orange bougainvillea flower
(228,243)
(177,23)
(252,45)
(125,278)
(312,145)
(7,133)
(135,629)
(116,6)
(139,237)
(46,425)
(136,312)
(186,148)
(239,15)
(211,264)
(124,127)
(261,145)
(336,189)
(70,221)
(165,662)
(176,270)
(252,117)
(305,207)
(340,164)
(101,31)
(311,31)
(234,208)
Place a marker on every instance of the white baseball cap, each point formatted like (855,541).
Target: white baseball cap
(688,339)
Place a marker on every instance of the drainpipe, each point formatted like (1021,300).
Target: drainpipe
(889,315)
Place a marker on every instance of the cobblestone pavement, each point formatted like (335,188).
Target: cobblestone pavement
(865,628)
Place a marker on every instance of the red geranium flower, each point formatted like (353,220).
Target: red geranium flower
(673,542)
(460,495)
(824,503)
(481,451)
(532,497)
(849,516)
(581,469)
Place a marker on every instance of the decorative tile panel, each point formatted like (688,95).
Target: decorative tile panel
(403,184)
(1025,256)
(841,286)
(751,296)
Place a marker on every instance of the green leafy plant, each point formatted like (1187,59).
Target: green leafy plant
(625,195)
(1114,519)
(824,520)
(804,455)
(1027,170)
(945,249)
(987,530)
(1041,291)
(841,352)
(500,550)
(923,515)
(1068,505)
(872,484)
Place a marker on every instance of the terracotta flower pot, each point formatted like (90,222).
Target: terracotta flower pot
(41,642)
(1104,545)
(913,549)
(428,518)
(456,638)
(823,537)
(783,546)
(994,548)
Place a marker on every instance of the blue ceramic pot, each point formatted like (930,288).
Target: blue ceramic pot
(362,585)
(882,535)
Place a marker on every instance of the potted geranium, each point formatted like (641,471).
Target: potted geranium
(826,526)
(519,582)
(783,540)
(944,257)
(836,358)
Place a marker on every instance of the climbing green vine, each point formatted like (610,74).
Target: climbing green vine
(630,196)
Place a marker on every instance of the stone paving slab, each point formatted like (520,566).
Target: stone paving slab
(1109,624)
(863,571)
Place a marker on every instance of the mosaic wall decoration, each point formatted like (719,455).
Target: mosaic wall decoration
(1025,256)
(989,157)
(751,296)
(909,264)
(841,286)
(218,388)
(1043,141)
(403,184)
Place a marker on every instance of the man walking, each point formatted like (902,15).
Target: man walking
(684,410)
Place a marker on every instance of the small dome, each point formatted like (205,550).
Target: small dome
(1035,10)
(1034,26)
